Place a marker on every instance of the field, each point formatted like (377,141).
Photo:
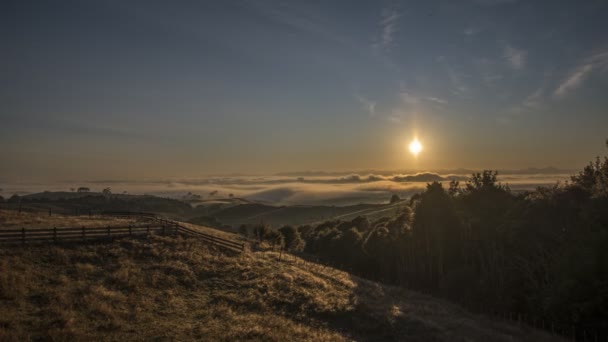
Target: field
(239,213)
(225,212)
(14,219)
(171,288)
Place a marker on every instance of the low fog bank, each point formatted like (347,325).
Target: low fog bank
(334,189)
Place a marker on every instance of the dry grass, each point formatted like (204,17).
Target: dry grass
(211,231)
(14,219)
(169,288)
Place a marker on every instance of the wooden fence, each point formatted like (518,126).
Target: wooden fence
(159,224)
(178,228)
(26,235)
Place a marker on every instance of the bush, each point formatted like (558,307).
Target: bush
(293,241)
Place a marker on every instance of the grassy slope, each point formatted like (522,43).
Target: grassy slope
(14,219)
(298,214)
(179,289)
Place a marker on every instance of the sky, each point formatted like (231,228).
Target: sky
(160,89)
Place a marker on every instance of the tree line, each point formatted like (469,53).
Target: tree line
(541,253)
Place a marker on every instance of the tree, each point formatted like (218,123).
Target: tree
(483,181)
(274,237)
(291,236)
(14,199)
(437,230)
(414,199)
(107,191)
(395,199)
(594,177)
(1,199)
(454,188)
(83,189)
(260,231)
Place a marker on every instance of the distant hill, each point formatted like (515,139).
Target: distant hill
(253,213)
(459,171)
(216,213)
(83,202)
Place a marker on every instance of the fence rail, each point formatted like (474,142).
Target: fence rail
(212,239)
(25,235)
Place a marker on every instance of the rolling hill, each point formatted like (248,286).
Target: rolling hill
(216,212)
(174,288)
(253,213)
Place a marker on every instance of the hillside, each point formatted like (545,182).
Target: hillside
(78,203)
(252,213)
(14,219)
(217,212)
(179,289)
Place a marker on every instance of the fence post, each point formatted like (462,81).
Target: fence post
(280,253)
(22,235)
(55,234)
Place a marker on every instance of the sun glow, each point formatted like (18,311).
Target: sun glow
(415,147)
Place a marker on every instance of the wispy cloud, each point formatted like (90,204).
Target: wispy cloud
(516,58)
(597,62)
(409,98)
(300,18)
(436,100)
(534,100)
(471,31)
(388,25)
(368,105)
(574,80)
(394,119)
(459,86)
(530,103)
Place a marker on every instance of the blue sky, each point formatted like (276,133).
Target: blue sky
(128,89)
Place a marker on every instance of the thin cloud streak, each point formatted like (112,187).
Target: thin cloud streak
(388,23)
(437,100)
(576,79)
(368,105)
(516,58)
(471,31)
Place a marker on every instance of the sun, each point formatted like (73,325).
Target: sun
(415,147)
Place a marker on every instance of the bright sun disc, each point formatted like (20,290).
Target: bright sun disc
(415,147)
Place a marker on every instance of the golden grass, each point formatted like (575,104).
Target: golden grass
(171,288)
(212,231)
(14,219)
